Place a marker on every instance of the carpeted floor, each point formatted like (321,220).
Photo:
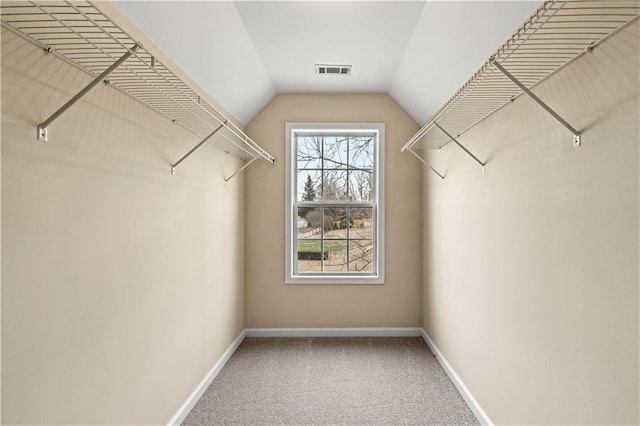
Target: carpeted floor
(362,380)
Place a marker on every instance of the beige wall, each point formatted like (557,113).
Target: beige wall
(531,270)
(271,303)
(121,284)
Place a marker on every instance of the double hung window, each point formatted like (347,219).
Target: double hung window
(335,203)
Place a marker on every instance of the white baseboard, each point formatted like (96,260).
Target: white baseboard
(335,332)
(197,393)
(482,417)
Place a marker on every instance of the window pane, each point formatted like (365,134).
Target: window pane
(362,223)
(309,152)
(334,185)
(336,219)
(337,255)
(314,219)
(335,203)
(310,256)
(309,183)
(361,153)
(335,152)
(308,223)
(361,256)
(361,185)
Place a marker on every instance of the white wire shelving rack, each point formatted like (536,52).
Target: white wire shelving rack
(557,33)
(79,33)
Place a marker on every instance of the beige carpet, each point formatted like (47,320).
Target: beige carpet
(363,380)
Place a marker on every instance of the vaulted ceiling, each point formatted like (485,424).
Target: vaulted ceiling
(245,52)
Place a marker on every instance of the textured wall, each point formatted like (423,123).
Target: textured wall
(531,270)
(271,303)
(121,284)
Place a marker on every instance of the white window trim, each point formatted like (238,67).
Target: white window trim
(291,218)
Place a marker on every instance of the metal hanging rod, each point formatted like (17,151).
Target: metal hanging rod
(42,127)
(454,140)
(81,34)
(576,133)
(426,163)
(192,150)
(240,169)
(556,34)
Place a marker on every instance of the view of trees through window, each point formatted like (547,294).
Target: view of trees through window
(335,203)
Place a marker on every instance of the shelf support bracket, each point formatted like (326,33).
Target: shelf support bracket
(454,140)
(241,169)
(426,164)
(42,127)
(577,142)
(192,150)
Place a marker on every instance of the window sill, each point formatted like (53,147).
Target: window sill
(334,280)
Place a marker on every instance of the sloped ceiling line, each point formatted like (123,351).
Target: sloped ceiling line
(245,52)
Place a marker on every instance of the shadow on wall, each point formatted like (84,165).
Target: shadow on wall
(531,269)
(110,113)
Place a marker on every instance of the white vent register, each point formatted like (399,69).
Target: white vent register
(333,69)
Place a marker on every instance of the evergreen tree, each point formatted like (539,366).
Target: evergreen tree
(308,195)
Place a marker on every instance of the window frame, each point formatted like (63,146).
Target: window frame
(291,173)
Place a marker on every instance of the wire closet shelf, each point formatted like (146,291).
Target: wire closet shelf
(556,33)
(81,34)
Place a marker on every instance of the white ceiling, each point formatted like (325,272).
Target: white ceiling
(291,37)
(244,52)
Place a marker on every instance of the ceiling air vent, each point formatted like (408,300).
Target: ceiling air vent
(333,69)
